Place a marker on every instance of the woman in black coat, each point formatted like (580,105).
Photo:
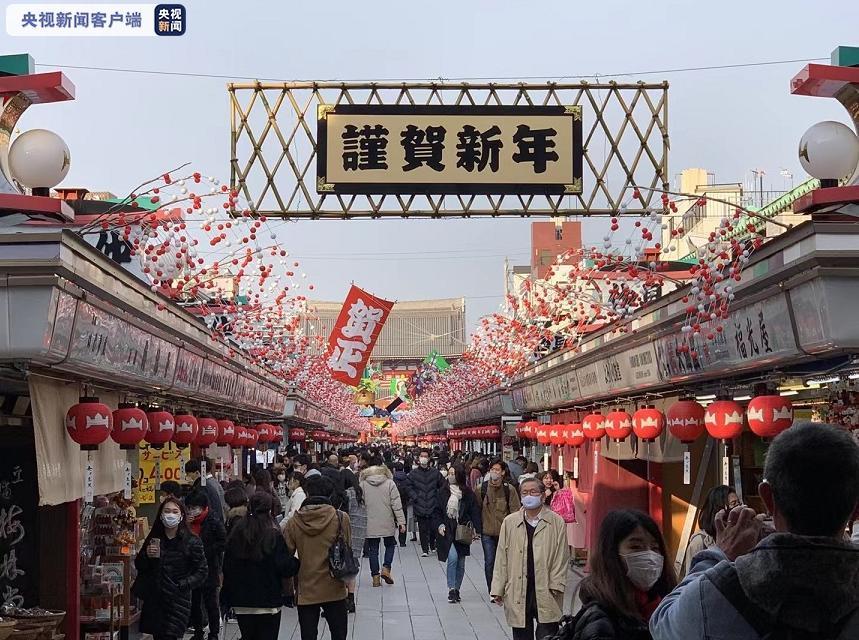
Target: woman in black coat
(630,574)
(459,506)
(170,565)
(256,563)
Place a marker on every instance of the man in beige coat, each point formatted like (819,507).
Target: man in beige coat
(384,517)
(531,566)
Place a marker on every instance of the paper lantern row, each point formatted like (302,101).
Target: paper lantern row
(687,420)
(90,422)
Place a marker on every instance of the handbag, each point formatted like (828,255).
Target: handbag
(341,562)
(464,533)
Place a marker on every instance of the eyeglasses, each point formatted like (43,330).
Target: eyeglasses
(532,492)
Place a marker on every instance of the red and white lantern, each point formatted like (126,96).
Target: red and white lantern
(226,433)
(208,433)
(724,419)
(186,430)
(768,416)
(593,426)
(89,423)
(648,423)
(618,425)
(129,426)
(161,428)
(686,420)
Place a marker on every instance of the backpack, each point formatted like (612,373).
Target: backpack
(484,492)
(341,561)
(562,504)
(725,578)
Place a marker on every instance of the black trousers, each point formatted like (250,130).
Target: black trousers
(335,616)
(543,630)
(205,598)
(426,528)
(264,626)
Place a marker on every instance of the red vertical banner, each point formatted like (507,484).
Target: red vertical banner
(354,335)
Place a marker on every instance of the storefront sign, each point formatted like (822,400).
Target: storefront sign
(487,407)
(753,336)
(456,149)
(189,371)
(591,380)
(105,341)
(19,545)
(157,466)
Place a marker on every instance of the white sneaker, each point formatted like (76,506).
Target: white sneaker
(424,555)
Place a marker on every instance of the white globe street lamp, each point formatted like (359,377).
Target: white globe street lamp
(829,151)
(39,159)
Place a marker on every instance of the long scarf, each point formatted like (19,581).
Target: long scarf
(453,501)
(197,523)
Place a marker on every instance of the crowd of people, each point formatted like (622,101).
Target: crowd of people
(295,535)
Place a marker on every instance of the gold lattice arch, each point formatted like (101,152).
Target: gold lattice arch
(273,148)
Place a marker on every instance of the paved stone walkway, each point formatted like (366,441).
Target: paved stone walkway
(416,606)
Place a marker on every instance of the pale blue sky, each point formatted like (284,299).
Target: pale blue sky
(124,127)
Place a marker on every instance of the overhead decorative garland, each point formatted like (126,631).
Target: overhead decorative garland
(602,287)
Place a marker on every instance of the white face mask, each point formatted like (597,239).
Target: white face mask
(423,461)
(171,520)
(452,478)
(281,477)
(643,568)
(495,476)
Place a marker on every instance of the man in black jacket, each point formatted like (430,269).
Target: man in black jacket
(331,470)
(424,485)
(203,522)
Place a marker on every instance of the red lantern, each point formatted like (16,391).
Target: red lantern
(724,419)
(252,437)
(226,433)
(161,428)
(208,433)
(769,415)
(265,433)
(556,436)
(618,425)
(542,435)
(297,435)
(575,435)
(241,439)
(186,430)
(129,426)
(89,423)
(593,425)
(648,423)
(278,434)
(686,420)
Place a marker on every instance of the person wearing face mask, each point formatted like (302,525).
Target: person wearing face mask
(212,533)
(424,485)
(213,488)
(278,485)
(531,566)
(297,496)
(630,574)
(498,499)
(170,564)
(460,508)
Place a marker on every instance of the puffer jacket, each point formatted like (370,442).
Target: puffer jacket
(382,499)
(402,482)
(809,585)
(165,584)
(424,487)
(214,538)
(595,623)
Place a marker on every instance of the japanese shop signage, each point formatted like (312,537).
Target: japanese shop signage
(752,337)
(156,466)
(449,149)
(355,333)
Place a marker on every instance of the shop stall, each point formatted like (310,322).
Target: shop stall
(651,417)
(79,331)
